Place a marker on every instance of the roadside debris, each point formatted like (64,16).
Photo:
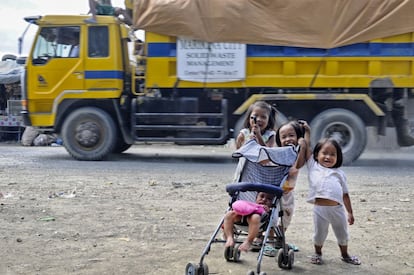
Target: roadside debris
(66,195)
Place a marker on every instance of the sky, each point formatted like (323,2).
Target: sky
(12,24)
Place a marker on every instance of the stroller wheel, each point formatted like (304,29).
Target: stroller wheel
(250,272)
(285,261)
(195,269)
(191,269)
(203,270)
(236,253)
(291,259)
(228,253)
(280,258)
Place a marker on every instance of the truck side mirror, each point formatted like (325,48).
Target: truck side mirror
(21,60)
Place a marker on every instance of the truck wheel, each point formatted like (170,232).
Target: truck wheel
(89,134)
(344,126)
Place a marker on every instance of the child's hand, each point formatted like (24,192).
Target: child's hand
(256,133)
(304,125)
(290,183)
(256,130)
(350,219)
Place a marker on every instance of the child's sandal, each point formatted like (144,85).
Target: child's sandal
(269,251)
(316,259)
(257,244)
(351,260)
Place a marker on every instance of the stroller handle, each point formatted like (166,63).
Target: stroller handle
(233,188)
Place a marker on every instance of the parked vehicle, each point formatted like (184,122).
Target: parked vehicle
(11,125)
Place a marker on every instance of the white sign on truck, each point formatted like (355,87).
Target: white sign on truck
(200,61)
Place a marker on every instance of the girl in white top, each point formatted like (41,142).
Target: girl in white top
(259,125)
(328,191)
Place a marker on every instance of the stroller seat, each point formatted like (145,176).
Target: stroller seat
(240,188)
(259,164)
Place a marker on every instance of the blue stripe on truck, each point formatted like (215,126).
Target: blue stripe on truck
(355,50)
(104,74)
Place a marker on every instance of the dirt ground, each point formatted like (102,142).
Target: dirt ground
(153,209)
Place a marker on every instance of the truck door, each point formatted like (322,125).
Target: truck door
(104,61)
(56,66)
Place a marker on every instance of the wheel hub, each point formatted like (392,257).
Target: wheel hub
(340,133)
(87,134)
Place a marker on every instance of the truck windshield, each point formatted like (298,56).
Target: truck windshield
(56,42)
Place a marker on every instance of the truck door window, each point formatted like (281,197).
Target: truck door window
(98,38)
(56,42)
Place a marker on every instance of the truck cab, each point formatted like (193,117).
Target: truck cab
(95,99)
(56,76)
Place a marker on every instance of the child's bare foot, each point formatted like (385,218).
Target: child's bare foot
(245,246)
(229,242)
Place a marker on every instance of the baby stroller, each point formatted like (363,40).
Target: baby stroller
(264,170)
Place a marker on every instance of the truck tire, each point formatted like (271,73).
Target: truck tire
(89,134)
(344,126)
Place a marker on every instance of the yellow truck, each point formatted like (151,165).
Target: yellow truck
(101,101)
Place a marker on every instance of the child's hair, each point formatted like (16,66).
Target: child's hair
(295,125)
(264,105)
(332,141)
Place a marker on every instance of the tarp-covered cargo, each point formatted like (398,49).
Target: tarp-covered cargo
(302,23)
